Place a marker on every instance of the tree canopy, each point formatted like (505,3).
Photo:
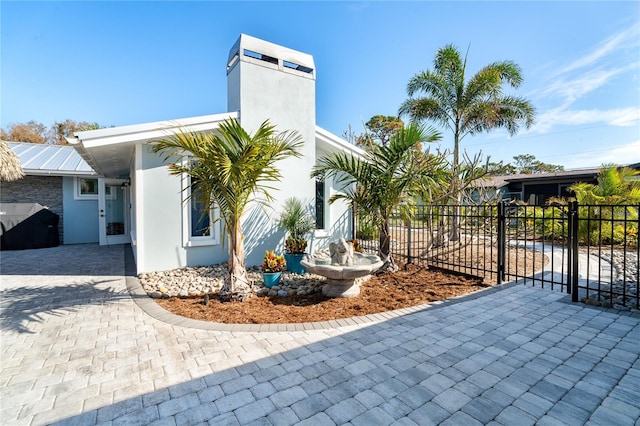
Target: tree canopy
(467,106)
(378,130)
(36,132)
(384,178)
(524,164)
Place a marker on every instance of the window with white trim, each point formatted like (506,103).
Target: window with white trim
(200,224)
(320,204)
(85,188)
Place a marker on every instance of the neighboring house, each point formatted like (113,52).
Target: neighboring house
(59,179)
(153,209)
(534,188)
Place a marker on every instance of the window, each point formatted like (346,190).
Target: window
(85,189)
(297,67)
(200,214)
(260,56)
(320,204)
(199,224)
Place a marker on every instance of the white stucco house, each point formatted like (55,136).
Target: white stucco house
(140,203)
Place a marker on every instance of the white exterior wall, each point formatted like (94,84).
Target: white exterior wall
(338,216)
(259,91)
(159,220)
(135,171)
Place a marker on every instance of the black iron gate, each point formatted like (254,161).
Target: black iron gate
(590,252)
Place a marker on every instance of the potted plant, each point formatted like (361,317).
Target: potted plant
(296,220)
(272,267)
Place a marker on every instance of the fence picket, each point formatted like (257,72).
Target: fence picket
(493,237)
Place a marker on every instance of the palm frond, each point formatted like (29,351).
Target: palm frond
(230,165)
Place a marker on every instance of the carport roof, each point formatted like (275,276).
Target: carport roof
(53,160)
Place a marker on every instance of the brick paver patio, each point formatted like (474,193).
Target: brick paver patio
(78,347)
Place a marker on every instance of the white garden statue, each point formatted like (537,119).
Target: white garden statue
(341,252)
(341,266)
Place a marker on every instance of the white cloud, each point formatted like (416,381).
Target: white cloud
(612,57)
(611,44)
(621,155)
(561,117)
(575,88)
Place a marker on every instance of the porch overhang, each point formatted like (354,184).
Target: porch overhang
(110,151)
(330,143)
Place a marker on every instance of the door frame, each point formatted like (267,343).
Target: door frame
(102,220)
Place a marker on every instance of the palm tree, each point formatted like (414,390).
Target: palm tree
(616,185)
(467,107)
(615,199)
(383,178)
(231,168)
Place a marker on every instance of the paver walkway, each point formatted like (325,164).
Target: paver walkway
(76,348)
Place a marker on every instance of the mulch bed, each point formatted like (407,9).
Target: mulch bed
(415,286)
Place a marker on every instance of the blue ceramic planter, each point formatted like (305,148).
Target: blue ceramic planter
(293,263)
(271,278)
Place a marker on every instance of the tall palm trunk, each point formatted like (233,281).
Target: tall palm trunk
(237,285)
(389,264)
(454,229)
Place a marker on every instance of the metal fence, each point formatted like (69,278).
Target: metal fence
(589,251)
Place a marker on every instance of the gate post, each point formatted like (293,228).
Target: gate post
(408,243)
(572,251)
(502,241)
(353,221)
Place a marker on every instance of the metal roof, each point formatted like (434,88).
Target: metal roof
(563,174)
(46,159)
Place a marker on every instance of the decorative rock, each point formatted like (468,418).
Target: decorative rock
(282,293)
(623,279)
(196,282)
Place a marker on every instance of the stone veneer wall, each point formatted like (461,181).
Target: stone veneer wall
(45,190)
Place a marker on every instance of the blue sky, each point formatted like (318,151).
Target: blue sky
(119,63)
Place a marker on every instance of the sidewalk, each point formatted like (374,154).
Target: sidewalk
(77,348)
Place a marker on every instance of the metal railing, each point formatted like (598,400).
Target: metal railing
(589,251)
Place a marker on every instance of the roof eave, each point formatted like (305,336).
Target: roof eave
(337,142)
(34,172)
(122,139)
(86,156)
(147,131)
